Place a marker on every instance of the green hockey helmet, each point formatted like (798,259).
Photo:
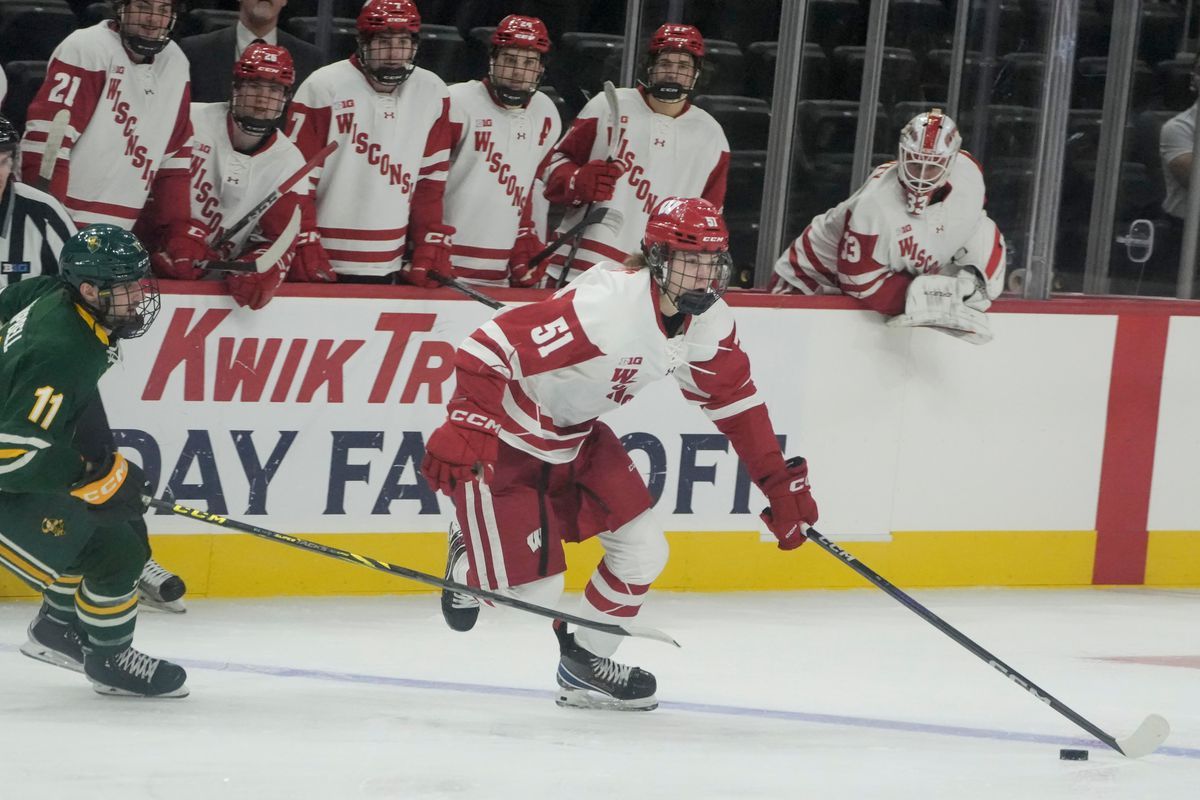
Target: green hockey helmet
(116,263)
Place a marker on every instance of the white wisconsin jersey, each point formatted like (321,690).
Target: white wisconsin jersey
(855,246)
(684,156)
(592,348)
(365,190)
(125,123)
(493,163)
(225,184)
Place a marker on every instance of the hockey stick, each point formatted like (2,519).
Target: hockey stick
(639,631)
(268,201)
(594,217)
(469,291)
(54,139)
(614,110)
(269,257)
(1145,740)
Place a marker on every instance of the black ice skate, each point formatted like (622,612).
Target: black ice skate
(130,673)
(459,610)
(54,642)
(586,680)
(161,589)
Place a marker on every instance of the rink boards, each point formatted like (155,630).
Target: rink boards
(1062,453)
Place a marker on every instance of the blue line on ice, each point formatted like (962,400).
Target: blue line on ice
(693,708)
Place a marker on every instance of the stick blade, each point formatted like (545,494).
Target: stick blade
(1146,739)
(643,632)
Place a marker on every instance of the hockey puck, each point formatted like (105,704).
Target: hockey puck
(1073,755)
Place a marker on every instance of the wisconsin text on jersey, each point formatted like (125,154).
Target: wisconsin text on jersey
(505,175)
(395,173)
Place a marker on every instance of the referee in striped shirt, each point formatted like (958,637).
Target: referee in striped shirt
(33,225)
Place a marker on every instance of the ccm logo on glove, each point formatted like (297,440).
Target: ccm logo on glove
(475,420)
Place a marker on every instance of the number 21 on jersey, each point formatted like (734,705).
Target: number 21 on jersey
(46,408)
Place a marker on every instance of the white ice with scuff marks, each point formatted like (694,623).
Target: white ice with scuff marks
(783,695)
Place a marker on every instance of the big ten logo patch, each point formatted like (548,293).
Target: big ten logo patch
(622,377)
(53,527)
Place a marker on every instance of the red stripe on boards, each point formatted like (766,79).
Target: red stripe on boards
(1127,467)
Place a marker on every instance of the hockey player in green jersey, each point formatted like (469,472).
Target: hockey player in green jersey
(66,520)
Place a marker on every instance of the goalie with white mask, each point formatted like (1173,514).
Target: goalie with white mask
(913,243)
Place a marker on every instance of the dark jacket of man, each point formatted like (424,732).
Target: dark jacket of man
(211,57)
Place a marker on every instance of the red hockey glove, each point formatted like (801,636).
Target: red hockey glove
(464,448)
(255,289)
(791,504)
(312,262)
(186,245)
(432,254)
(526,247)
(594,181)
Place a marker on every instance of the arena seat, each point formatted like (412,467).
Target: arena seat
(443,52)
(898,80)
(343,39)
(724,68)
(24,80)
(760,71)
(31,31)
(1174,79)
(746,120)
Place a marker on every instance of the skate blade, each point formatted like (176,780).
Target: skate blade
(113,691)
(585,698)
(48,656)
(171,607)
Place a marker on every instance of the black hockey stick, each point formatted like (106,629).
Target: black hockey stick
(639,631)
(614,111)
(469,291)
(276,193)
(1143,741)
(593,217)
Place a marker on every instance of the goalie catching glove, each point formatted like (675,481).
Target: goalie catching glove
(113,490)
(792,504)
(952,304)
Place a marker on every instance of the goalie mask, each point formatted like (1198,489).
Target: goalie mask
(687,249)
(929,145)
(388,40)
(673,63)
(262,85)
(113,261)
(146,25)
(518,59)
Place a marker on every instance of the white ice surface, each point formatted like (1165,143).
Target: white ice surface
(793,695)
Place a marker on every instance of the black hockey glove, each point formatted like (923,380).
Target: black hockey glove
(113,490)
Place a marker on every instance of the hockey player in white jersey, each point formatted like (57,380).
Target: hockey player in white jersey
(379,195)
(661,146)
(121,87)
(913,243)
(238,158)
(500,130)
(529,465)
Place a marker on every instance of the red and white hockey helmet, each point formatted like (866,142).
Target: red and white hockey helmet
(929,145)
(257,108)
(266,62)
(378,16)
(518,31)
(686,246)
(677,37)
(384,60)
